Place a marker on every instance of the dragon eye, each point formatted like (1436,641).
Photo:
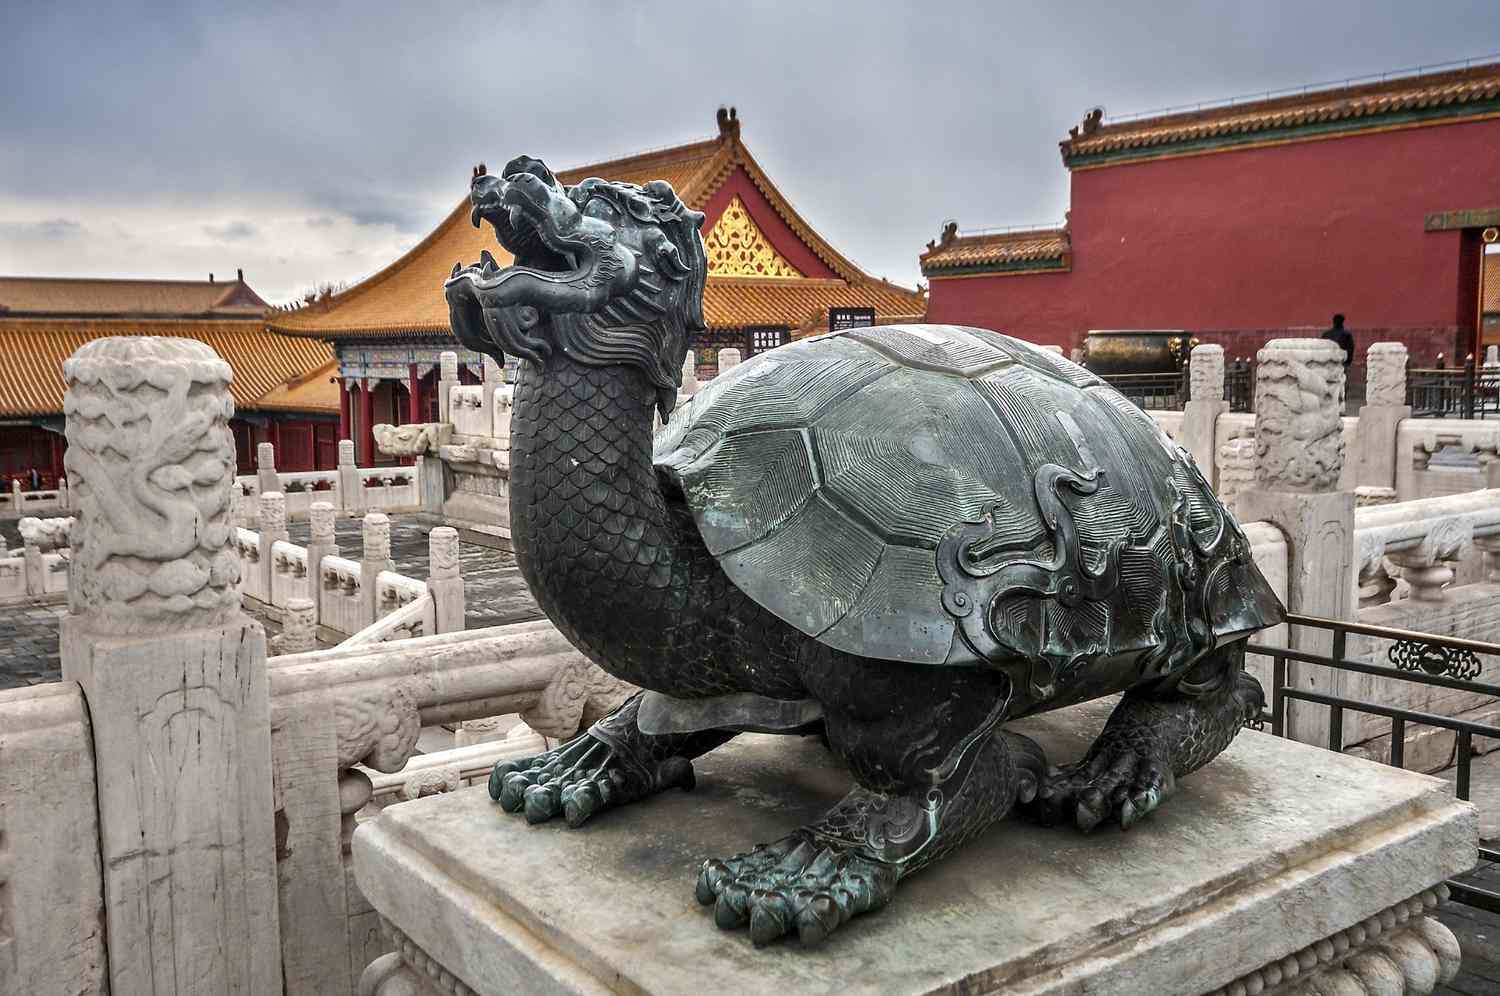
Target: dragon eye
(598,207)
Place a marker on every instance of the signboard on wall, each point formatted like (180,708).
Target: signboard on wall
(850,318)
(759,338)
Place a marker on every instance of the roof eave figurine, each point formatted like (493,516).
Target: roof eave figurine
(943,517)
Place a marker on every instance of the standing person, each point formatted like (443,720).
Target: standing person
(34,479)
(1337,333)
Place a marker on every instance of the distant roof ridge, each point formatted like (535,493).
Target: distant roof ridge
(1480,62)
(634,158)
(57,296)
(1401,101)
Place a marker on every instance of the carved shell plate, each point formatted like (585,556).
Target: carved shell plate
(945,495)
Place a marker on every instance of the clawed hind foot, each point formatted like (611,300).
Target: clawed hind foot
(800,884)
(1119,783)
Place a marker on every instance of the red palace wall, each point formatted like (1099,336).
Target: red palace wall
(1243,246)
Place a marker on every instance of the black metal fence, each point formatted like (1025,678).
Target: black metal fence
(1170,391)
(1468,391)
(1155,391)
(1239,385)
(1421,658)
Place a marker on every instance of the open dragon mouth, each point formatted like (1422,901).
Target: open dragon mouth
(521,209)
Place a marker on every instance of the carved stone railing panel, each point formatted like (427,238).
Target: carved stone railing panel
(333,710)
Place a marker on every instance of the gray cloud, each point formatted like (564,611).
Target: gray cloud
(49,229)
(878,120)
(236,230)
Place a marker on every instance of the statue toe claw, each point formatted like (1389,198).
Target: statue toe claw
(799,884)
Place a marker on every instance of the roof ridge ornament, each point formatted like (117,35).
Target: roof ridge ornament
(729,124)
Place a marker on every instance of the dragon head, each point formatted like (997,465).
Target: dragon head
(605,273)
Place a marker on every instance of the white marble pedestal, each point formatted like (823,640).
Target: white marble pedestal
(1280,868)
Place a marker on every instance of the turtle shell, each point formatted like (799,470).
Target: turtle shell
(952,496)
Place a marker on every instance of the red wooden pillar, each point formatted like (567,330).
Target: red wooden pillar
(58,445)
(366,426)
(413,392)
(344,409)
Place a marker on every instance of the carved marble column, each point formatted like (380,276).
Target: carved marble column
(1381,415)
(271,530)
(1299,455)
(299,628)
(728,359)
(173,672)
(444,582)
(351,492)
(503,398)
(494,378)
(689,375)
(375,557)
(265,468)
(1200,416)
(322,543)
(447,381)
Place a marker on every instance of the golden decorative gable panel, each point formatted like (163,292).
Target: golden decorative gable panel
(736,248)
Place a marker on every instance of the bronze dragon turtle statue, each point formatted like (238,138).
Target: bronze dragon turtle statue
(897,536)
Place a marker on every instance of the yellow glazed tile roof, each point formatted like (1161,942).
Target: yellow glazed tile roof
(406,298)
(960,252)
(37,297)
(1320,109)
(32,352)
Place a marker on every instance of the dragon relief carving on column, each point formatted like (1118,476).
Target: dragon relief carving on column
(152,458)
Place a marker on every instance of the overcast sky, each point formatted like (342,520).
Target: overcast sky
(315,142)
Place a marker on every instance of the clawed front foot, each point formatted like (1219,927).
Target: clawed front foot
(799,883)
(583,777)
(1116,781)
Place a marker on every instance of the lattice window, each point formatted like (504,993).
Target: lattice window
(736,248)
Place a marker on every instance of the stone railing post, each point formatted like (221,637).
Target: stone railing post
(1381,415)
(299,628)
(265,468)
(322,543)
(174,674)
(503,397)
(494,377)
(689,375)
(1299,455)
(1235,470)
(444,582)
(272,528)
(447,381)
(374,558)
(351,491)
(1200,416)
(15,496)
(64,500)
(36,570)
(728,359)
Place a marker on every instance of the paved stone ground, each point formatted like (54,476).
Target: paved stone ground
(1478,931)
